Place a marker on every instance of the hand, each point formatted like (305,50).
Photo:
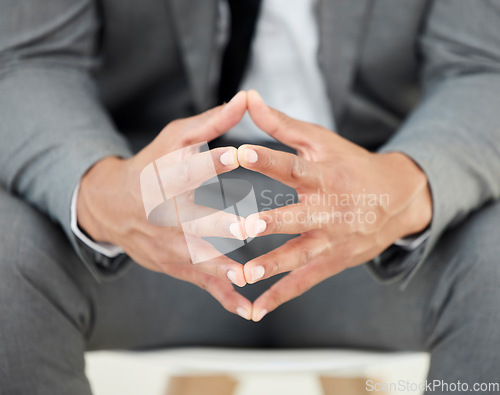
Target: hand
(110,206)
(353,204)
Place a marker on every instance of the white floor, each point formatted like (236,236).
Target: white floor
(257,372)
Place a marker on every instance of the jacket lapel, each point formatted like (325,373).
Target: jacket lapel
(195,23)
(341,24)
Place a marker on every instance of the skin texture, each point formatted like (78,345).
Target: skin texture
(325,168)
(110,207)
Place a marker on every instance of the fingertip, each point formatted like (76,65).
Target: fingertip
(229,157)
(238,100)
(235,279)
(253,273)
(231,276)
(237,229)
(242,94)
(262,115)
(257,314)
(244,313)
(247,155)
(233,111)
(254,225)
(255,102)
(254,96)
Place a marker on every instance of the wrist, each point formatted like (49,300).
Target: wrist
(412,207)
(97,191)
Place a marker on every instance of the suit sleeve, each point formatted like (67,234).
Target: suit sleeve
(52,125)
(454,133)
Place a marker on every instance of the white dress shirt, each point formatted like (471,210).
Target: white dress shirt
(283,67)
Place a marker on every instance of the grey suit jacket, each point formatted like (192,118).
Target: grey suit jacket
(84,79)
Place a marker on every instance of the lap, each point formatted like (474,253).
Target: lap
(43,306)
(146,309)
(456,286)
(42,277)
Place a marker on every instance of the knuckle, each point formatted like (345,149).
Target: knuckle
(161,261)
(304,256)
(203,284)
(174,125)
(206,282)
(310,219)
(185,173)
(158,256)
(297,170)
(187,140)
(156,260)
(209,162)
(209,114)
(226,296)
(341,175)
(217,271)
(217,224)
(274,266)
(276,223)
(300,287)
(269,161)
(284,119)
(275,297)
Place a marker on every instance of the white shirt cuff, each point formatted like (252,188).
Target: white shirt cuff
(107,249)
(410,243)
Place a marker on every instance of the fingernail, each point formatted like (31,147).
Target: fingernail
(253,228)
(227,158)
(259,226)
(260,315)
(231,275)
(257,273)
(251,156)
(236,231)
(242,312)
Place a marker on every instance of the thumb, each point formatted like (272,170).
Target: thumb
(208,125)
(278,125)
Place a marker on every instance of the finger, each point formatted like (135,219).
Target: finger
(226,295)
(207,125)
(292,285)
(181,212)
(208,222)
(206,258)
(176,249)
(221,290)
(285,167)
(300,135)
(293,254)
(174,174)
(225,269)
(191,172)
(292,219)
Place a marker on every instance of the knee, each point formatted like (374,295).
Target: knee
(477,244)
(473,272)
(37,262)
(28,239)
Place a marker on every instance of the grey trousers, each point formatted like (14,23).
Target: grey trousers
(52,309)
